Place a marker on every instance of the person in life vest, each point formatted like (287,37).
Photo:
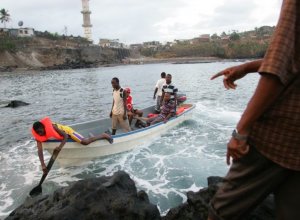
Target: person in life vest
(45,129)
(131,112)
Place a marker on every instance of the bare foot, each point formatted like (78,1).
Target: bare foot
(108,138)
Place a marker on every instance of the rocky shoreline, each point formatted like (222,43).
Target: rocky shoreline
(116,198)
(47,58)
(83,64)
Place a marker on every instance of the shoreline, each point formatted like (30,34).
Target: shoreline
(128,61)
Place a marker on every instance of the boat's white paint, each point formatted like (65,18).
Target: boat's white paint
(74,153)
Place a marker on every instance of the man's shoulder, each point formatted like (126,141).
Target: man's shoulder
(161,81)
(119,89)
(171,85)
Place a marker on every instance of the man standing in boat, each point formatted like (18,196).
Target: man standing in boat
(118,112)
(158,90)
(169,87)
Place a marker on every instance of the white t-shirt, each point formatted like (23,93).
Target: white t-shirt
(118,108)
(159,86)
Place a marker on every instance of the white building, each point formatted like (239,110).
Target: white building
(25,32)
(111,43)
(17,32)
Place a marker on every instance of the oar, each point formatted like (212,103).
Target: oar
(38,189)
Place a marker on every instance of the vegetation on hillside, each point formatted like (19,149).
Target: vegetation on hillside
(7,44)
(250,44)
(40,40)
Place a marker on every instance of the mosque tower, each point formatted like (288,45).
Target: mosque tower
(87,26)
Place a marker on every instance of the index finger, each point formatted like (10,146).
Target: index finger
(217,75)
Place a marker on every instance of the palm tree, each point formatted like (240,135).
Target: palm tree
(4,16)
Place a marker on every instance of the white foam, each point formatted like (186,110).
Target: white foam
(7,200)
(217,112)
(193,188)
(152,166)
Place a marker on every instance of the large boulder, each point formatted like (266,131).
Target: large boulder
(110,198)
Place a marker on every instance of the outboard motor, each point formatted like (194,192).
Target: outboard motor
(181,98)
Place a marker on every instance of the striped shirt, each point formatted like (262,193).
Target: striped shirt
(276,134)
(167,108)
(170,88)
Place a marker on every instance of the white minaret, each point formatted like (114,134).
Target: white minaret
(87,26)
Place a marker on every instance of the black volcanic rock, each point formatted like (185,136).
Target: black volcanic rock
(71,64)
(111,198)
(116,198)
(16,103)
(196,206)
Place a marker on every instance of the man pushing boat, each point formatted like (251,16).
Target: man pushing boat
(45,129)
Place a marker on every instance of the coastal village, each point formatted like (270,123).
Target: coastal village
(27,48)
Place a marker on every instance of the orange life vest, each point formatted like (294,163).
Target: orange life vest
(50,131)
(180,110)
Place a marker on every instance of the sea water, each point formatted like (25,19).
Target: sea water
(167,167)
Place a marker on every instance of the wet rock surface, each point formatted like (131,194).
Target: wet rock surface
(116,198)
(197,204)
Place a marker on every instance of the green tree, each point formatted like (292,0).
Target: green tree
(223,34)
(234,36)
(4,16)
(215,36)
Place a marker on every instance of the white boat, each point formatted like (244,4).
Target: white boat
(74,153)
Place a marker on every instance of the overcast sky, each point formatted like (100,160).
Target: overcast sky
(135,21)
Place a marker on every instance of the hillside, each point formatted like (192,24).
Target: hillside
(46,51)
(248,44)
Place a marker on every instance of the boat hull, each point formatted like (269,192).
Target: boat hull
(74,153)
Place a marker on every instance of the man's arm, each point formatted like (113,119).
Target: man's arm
(41,156)
(268,89)
(110,114)
(155,91)
(65,137)
(175,96)
(162,97)
(234,73)
(168,117)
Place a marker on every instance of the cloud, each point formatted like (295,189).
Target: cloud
(142,20)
